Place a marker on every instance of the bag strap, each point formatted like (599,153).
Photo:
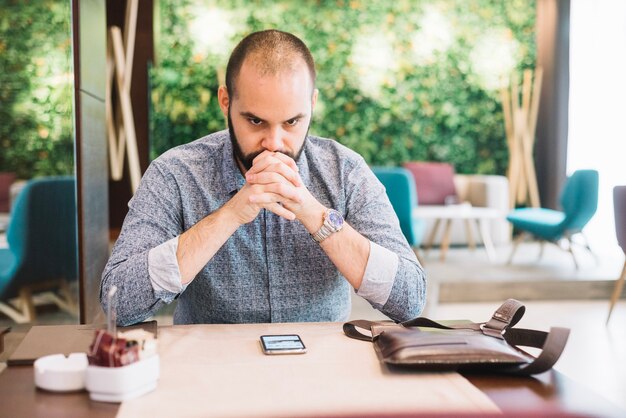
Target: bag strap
(499,326)
(350,329)
(506,316)
(551,344)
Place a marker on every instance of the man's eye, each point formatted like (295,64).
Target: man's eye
(292,122)
(255,121)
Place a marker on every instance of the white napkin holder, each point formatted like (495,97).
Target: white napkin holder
(117,384)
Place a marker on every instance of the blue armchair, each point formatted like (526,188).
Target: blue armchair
(400,187)
(42,251)
(579,201)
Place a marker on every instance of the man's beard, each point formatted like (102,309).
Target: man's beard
(247,159)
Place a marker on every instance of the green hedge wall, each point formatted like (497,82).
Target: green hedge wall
(399,81)
(36,124)
(403,80)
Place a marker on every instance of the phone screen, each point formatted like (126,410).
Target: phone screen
(282,344)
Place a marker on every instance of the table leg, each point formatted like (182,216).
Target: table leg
(445,240)
(470,237)
(483,225)
(431,238)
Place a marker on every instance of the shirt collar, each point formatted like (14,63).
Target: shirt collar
(231,175)
(303,164)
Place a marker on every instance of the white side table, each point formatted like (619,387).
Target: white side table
(4,222)
(480,216)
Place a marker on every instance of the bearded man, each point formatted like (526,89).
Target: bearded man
(262,222)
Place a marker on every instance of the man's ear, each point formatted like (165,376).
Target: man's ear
(314,98)
(223,99)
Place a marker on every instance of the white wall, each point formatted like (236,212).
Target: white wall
(597,108)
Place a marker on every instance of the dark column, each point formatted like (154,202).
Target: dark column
(553,17)
(120,191)
(89,46)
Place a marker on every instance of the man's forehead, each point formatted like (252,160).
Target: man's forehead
(256,68)
(273,62)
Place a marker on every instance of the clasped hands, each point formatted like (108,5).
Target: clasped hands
(273,183)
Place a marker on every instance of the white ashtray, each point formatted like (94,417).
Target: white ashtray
(117,384)
(59,373)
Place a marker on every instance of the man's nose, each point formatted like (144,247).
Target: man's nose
(273,140)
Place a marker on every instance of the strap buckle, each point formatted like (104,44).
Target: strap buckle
(491,331)
(507,315)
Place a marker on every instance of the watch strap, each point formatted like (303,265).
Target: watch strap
(322,233)
(326,229)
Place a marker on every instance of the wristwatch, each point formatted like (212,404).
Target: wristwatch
(333,222)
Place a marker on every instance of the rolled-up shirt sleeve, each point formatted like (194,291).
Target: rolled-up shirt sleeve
(394,282)
(380,273)
(164,272)
(153,220)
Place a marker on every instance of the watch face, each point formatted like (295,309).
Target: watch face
(335,218)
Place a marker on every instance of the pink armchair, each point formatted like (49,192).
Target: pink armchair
(437,184)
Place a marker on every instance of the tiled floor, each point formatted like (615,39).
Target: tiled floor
(468,276)
(555,264)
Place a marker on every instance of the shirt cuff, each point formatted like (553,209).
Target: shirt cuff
(380,273)
(163,268)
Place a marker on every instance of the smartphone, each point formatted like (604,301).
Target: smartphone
(282,344)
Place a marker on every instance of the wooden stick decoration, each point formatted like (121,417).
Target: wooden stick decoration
(116,152)
(130,34)
(520,122)
(120,120)
(530,139)
(505,96)
(522,117)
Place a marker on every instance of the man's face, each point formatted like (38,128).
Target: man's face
(269,112)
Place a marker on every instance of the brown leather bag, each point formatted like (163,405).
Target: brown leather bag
(491,346)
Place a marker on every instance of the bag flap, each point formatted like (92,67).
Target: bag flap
(414,346)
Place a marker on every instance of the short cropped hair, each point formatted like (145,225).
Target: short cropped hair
(272,51)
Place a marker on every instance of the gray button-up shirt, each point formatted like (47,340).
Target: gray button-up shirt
(269,270)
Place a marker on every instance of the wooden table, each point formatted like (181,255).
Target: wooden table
(549,394)
(479,216)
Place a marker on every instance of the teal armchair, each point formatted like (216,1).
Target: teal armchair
(400,187)
(42,251)
(579,201)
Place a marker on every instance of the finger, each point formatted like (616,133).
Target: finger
(278,155)
(287,160)
(274,173)
(262,160)
(284,192)
(267,198)
(266,158)
(274,165)
(280,211)
(262,156)
(261,164)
